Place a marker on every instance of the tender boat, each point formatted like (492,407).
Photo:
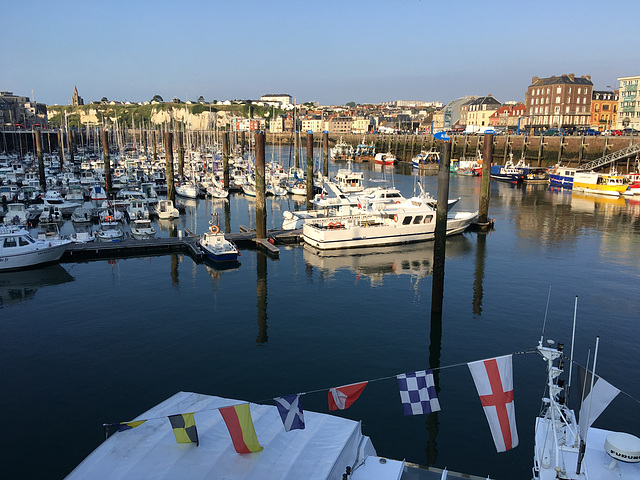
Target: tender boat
(18,249)
(216,247)
(427,159)
(413,220)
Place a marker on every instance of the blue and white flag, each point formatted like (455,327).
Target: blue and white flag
(290,410)
(418,392)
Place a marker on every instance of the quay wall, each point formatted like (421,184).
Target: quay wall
(569,150)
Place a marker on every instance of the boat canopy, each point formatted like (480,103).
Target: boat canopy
(322,450)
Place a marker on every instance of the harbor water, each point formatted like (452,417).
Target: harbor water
(84,344)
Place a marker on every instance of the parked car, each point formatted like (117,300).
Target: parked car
(630,131)
(552,132)
(589,132)
(613,133)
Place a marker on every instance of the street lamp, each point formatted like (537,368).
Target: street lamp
(610,112)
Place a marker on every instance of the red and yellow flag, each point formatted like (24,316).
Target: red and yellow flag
(240,425)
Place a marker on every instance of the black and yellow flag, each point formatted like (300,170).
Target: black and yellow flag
(128,425)
(184,428)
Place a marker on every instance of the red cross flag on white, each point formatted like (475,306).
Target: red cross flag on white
(494,382)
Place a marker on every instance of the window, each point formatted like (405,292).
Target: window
(579,90)
(417,219)
(604,107)
(10,242)
(558,90)
(556,109)
(566,109)
(596,107)
(557,99)
(23,241)
(428,218)
(406,220)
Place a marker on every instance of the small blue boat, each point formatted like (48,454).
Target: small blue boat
(216,247)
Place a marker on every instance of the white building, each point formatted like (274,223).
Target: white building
(628,103)
(278,99)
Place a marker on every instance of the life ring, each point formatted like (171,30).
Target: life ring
(331,225)
(213,229)
(395,218)
(397,201)
(108,218)
(337,225)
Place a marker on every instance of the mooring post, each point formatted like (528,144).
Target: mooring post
(242,143)
(168,153)
(107,162)
(309,170)
(261,290)
(541,149)
(440,241)
(72,145)
(325,154)
(155,147)
(43,180)
(181,156)
(261,206)
(560,148)
(61,147)
(296,148)
(487,160)
(225,160)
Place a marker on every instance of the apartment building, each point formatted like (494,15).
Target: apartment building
(563,101)
(628,103)
(604,110)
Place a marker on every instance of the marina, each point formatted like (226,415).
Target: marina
(238,325)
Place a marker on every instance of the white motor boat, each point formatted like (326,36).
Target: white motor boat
(166,211)
(82,215)
(216,247)
(110,233)
(413,220)
(141,229)
(18,249)
(51,214)
(54,198)
(137,209)
(17,214)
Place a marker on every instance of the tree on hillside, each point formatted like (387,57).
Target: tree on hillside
(200,99)
(104,100)
(350,104)
(157,98)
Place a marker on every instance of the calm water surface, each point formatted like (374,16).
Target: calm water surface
(88,343)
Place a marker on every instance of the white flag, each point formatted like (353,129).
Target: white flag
(595,401)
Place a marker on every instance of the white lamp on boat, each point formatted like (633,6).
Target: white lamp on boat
(622,447)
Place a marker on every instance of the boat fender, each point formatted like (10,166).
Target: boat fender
(397,201)
(395,218)
(213,229)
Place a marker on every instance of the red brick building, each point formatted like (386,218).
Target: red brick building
(563,101)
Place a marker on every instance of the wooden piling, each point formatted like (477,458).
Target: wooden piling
(155,147)
(325,154)
(43,180)
(541,150)
(560,148)
(487,159)
(107,162)
(440,240)
(309,170)
(168,152)
(261,208)
(181,156)
(296,145)
(225,160)
(261,290)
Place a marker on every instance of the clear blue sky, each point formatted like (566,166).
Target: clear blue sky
(330,51)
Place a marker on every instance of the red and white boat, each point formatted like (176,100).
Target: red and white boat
(634,182)
(385,159)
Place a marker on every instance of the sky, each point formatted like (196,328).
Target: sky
(331,52)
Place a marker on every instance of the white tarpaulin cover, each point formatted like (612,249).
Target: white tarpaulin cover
(321,451)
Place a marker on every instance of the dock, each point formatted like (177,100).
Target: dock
(130,247)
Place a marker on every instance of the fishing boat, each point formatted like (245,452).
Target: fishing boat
(634,182)
(349,181)
(18,249)
(600,183)
(560,176)
(536,176)
(216,247)
(567,447)
(509,172)
(385,159)
(427,159)
(413,220)
(341,151)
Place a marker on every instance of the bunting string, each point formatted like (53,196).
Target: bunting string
(388,377)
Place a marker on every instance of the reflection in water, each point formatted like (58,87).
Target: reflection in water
(261,290)
(16,287)
(435,348)
(414,259)
(174,270)
(168,226)
(479,273)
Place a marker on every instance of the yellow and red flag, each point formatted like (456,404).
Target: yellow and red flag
(240,425)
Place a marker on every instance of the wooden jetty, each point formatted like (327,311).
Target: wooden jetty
(129,247)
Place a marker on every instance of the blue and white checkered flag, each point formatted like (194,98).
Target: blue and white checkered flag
(418,392)
(290,410)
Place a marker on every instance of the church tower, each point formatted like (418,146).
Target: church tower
(77,99)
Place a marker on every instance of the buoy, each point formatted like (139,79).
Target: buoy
(395,218)
(213,229)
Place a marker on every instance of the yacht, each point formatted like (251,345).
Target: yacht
(54,198)
(166,211)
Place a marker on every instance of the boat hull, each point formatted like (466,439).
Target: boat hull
(33,259)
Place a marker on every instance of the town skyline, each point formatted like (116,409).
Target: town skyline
(365,52)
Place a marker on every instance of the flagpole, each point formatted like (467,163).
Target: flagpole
(544,323)
(583,441)
(573,337)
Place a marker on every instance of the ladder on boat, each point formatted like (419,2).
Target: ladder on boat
(612,157)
